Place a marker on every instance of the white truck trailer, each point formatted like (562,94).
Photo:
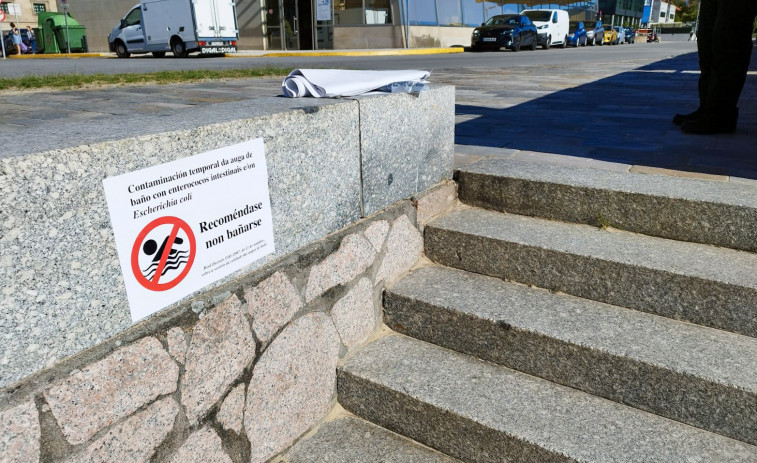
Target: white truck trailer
(178,26)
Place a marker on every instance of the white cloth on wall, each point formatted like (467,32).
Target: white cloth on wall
(320,83)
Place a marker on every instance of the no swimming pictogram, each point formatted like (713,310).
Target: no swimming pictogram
(163,253)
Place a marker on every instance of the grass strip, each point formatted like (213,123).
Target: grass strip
(71,81)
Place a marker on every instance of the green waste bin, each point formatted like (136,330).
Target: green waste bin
(52,34)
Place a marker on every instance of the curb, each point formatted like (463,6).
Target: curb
(274,54)
(57,56)
(388,52)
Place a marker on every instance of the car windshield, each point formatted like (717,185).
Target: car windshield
(590,24)
(503,20)
(618,28)
(543,16)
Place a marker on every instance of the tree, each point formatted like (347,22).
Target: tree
(688,12)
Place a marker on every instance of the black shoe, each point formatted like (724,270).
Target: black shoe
(679,119)
(712,123)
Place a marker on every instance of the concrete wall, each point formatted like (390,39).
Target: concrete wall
(100,17)
(210,376)
(352,37)
(27,17)
(439,36)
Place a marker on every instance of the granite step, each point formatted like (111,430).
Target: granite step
(701,376)
(698,283)
(349,439)
(481,412)
(687,209)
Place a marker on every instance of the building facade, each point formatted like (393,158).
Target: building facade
(658,12)
(24,12)
(621,12)
(341,24)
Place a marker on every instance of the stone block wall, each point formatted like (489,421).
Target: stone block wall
(234,375)
(239,370)
(330,162)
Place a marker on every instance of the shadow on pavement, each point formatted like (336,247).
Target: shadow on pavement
(624,118)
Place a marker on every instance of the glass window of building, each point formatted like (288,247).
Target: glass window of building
(449,13)
(39,8)
(423,12)
(491,9)
(378,12)
(348,12)
(511,8)
(473,13)
(4,7)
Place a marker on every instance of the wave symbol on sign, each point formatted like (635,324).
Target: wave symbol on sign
(176,258)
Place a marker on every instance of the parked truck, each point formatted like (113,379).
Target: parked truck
(178,26)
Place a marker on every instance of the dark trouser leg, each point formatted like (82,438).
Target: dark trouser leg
(729,54)
(705,31)
(725,48)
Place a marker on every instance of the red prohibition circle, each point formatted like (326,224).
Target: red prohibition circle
(155,284)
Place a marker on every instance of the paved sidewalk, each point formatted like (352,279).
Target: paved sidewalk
(274,53)
(615,115)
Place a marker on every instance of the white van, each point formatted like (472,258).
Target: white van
(178,26)
(551,25)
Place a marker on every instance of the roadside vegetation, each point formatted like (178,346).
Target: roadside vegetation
(65,82)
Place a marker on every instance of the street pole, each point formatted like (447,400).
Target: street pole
(2,41)
(407,23)
(696,26)
(68,38)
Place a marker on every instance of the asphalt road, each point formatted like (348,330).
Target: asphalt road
(671,46)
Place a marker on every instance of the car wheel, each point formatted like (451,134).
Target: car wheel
(178,48)
(516,44)
(548,43)
(159,54)
(565,42)
(534,43)
(121,50)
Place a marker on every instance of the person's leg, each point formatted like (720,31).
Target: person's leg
(730,53)
(705,31)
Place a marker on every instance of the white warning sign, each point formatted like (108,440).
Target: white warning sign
(182,225)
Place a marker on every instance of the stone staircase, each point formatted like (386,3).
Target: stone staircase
(572,314)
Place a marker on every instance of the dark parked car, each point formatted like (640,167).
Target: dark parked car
(10,49)
(595,32)
(577,34)
(507,30)
(630,35)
